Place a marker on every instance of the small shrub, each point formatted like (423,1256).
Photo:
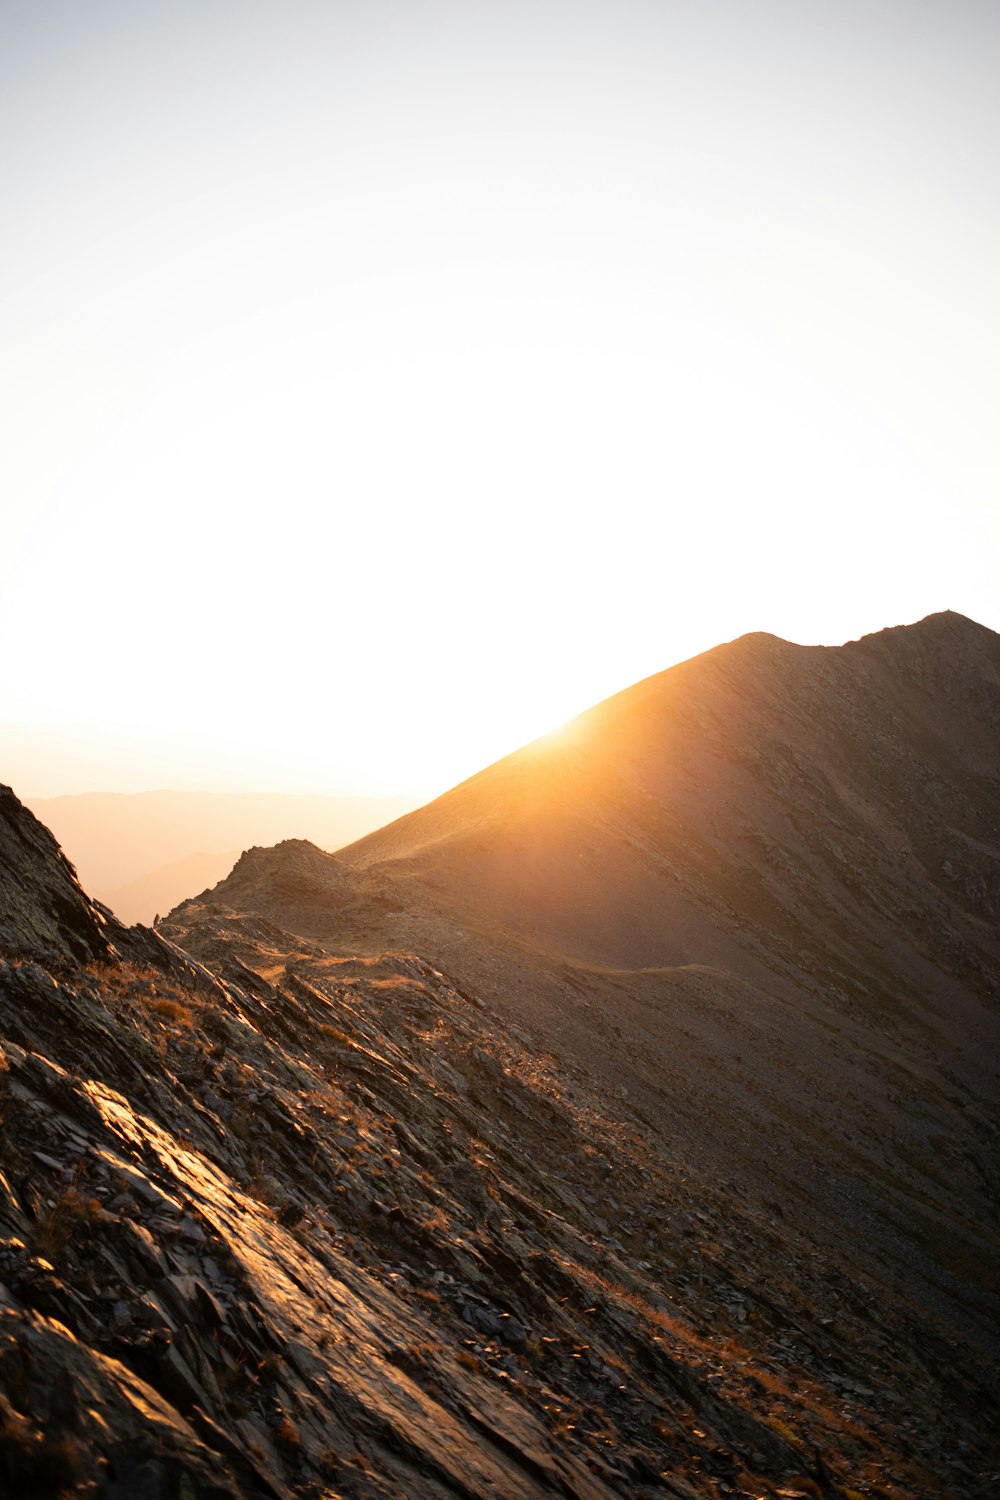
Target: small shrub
(53,1232)
(782,1429)
(173,1011)
(334,1034)
(287,1436)
(270,1367)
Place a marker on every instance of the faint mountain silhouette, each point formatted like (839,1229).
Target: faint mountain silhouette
(117,840)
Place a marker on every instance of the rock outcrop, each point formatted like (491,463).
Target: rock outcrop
(43,911)
(352,1180)
(341,1231)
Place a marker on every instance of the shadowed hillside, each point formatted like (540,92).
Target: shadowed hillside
(314,1225)
(754,899)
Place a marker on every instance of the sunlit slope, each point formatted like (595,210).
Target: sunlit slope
(754,899)
(758,797)
(232,1249)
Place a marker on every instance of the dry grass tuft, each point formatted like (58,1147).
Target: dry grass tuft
(287,1436)
(173,1011)
(334,1035)
(54,1231)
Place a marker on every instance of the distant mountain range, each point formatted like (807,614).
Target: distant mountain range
(143,852)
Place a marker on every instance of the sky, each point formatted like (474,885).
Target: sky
(383,384)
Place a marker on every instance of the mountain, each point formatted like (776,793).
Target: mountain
(753,901)
(762,783)
(233,1264)
(121,842)
(344,1231)
(142,899)
(394,1174)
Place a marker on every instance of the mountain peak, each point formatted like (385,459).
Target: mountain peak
(290,879)
(288,854)
(945,651)
(943,625)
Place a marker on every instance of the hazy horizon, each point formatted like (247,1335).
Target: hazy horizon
(142,852)
(111,770)
(386,385)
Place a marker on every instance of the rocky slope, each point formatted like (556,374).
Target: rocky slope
(387,1175)
(752,902)
(329,1226)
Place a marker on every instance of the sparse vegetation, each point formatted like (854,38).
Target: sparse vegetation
(450,1202)
(334,1034)
(270,1367)
(287,1436)
(70,1212)
(782,1429)
(174,1011)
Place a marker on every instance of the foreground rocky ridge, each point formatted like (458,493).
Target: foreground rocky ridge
(326,1226)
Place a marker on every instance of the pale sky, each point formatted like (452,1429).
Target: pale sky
(383,383)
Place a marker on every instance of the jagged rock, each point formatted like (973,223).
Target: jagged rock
(424,1255)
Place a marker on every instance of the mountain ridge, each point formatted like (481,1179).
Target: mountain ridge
(929,632)
(758,892)
(637,1136)
(345,1231)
